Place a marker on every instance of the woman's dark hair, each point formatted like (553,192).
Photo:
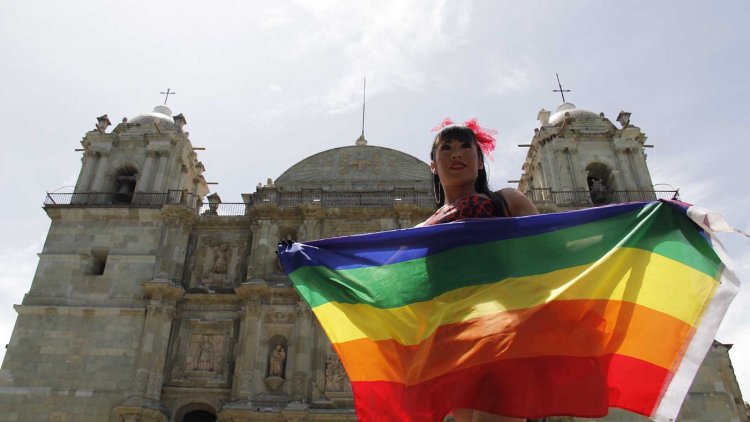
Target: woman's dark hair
(481,185)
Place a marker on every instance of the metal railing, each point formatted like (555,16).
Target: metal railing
(546,196)
(225,209)
(262,197)
(121,199)
(325,199)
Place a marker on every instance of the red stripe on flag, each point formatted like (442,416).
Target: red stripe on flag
(530,387)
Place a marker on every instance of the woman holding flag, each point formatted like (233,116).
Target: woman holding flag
(558,314)
(461,188)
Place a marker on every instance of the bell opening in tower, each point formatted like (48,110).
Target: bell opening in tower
(125,186)
(599,183)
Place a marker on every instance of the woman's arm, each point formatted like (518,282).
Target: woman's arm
(518,203)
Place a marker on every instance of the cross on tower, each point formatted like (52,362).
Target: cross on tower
(561,90)
(167,94)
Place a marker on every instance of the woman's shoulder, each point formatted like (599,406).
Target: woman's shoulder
(518,203)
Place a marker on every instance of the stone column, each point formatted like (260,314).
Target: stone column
(144,402)
(552,167)
(263,247)
(310,228)
(157,185)
(629,152)
(626,177)
(303,355)
(100,176)
(542,176)
(170,255)
(246,377)
(574,182)
(144,184)
(84,180)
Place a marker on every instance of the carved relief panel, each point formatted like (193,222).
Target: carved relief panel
(217,261)
(202,353)
(331,384)
(336,379)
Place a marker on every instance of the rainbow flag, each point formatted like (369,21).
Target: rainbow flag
(555,314)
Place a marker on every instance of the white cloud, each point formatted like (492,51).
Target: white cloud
(274,17)
(391,42)
(694,187)
(510,76)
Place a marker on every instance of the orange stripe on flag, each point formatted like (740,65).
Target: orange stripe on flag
(578,328)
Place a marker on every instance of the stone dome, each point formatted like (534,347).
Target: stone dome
(359,167)
(161,116)
(575,113)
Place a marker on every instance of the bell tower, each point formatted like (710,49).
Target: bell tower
(578,159)
(142,159)
(98,315)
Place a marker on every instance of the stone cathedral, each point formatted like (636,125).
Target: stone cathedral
(155,301)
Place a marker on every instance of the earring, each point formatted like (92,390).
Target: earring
(437,191)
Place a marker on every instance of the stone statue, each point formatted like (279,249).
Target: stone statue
(216,265)
(205,360)
(278,357)
(221,258)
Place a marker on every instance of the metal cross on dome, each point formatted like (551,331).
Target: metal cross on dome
(561,90)
(167,94)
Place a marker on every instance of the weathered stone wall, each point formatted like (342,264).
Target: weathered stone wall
(128,238)
(77,336)
(715,394)
(72,363)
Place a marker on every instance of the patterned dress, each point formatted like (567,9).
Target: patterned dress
(473,206)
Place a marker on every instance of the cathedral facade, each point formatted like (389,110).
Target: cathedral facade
(154,301)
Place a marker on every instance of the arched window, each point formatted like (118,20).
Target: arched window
(599,180)
(125,180)
(199,416)
(196,412)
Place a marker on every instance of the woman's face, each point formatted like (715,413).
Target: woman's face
(457,163)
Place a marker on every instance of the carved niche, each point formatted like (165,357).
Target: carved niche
(276,362)
(217,261)
(202,353)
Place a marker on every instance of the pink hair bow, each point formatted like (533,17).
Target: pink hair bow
(484,136)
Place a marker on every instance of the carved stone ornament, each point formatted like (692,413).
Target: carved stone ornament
(216,266)
(279,317)
(141,380)
(274,384)
(252,308)
(298,386)
(336,379)
(303,309)
(162,290)
(155,382)
(246,382)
